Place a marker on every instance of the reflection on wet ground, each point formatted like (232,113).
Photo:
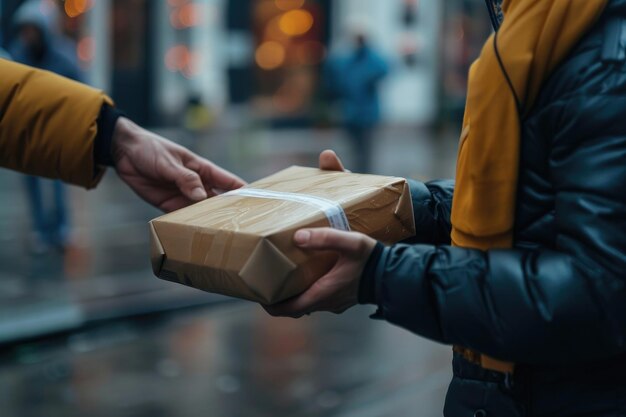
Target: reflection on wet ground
(227,359)
(230,361)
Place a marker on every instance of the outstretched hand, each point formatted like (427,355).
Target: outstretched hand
(163,173)
(338,290)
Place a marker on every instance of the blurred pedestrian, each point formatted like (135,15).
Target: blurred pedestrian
(39,44)
(353,79)
(519,263)
(198,117)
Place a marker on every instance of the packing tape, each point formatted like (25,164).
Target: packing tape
(333,211)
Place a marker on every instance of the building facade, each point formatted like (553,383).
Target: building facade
(157,57)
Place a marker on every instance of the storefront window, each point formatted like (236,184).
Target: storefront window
(290,43)
(129,31)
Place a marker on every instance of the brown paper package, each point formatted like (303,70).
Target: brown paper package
(243,246)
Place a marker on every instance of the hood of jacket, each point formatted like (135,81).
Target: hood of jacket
(38,14)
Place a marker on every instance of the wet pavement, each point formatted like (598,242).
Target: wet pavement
(225,358)
(229,361)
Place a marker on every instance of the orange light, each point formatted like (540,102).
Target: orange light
(190,15)
(70,8)
(86,49)
(192,66)
(270,55)
(177,58)
(82,5)
(289,4)
(74,8)
(175,20)
(296,22)
(272,30)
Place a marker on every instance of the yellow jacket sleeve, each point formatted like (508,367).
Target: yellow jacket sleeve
(48,124)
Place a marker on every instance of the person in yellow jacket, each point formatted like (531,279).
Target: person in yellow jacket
(53,127)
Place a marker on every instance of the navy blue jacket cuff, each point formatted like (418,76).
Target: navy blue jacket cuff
(104,138)
(367,287)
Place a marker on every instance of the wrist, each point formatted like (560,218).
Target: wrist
(126,135)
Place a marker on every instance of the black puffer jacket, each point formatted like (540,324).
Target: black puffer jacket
(556,303)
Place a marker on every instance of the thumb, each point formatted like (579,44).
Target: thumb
(329,161)
(189,183)
(330,239)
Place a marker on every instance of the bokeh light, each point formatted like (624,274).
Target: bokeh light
(177,58)
(191,68)
(289,4)
(74,8)
(175,19)
(185,14)
(180,59)
(296,22)
(86,49)
(270,55)
(272,31)
(190,15)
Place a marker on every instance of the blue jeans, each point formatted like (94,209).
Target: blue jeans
(585,389)
(361,141)
(49,216)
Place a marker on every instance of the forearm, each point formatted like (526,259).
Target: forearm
(432,203)
(48,125)
(513,305)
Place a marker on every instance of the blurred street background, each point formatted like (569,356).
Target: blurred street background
(255,86)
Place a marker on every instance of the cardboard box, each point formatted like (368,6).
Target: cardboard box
(241,244)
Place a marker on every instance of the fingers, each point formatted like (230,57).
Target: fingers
(174,204)
(332,239)
(337,290)
(329,161)
(199,175)
(331,293)
(213,176)
(294,308)
(189,183)
(305,303)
